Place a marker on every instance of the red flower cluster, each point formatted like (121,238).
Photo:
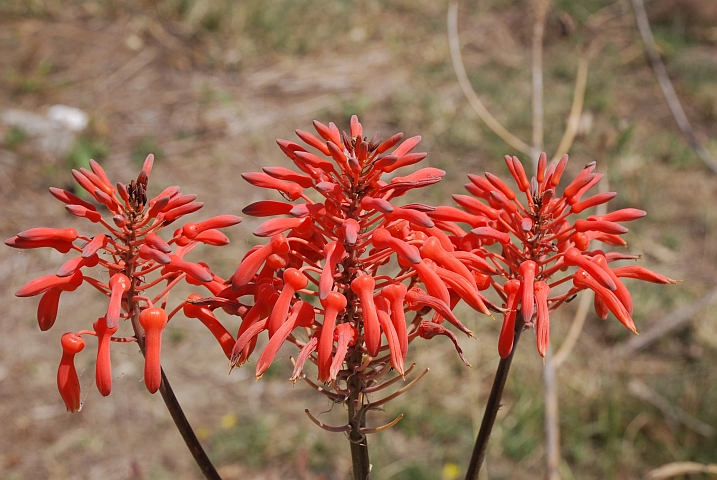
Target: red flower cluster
(538,240)
(344,263)
(129,252)
(327,269)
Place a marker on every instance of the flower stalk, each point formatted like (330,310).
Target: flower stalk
(491,409)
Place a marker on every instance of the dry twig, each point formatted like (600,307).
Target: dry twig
(678,113)
(643,392)
(676,469)
(471,95)
(670,322)
(576,109)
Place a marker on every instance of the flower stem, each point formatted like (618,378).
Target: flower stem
(491,409)
(357,420)
(165,389)
(185,429)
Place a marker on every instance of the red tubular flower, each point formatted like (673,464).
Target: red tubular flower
(345,337)
(67,382)
(119,285)
(301,315)
(131,254)
(396,295)
(249,266)
(47,308)
(45,234)
(512,289)
(103,367)
(527,271)
(394,345)
(334,252)
(153,320)
(642,273)
(583,280)
(333,303)
(363,286)
(535,241)
(49,282)
(293,280)
(206,316)
(542,321)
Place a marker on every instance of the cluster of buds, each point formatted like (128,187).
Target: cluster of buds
(345,265)
(126,255)
(538,240)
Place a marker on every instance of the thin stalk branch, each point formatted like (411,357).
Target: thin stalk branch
(552,426)
(674,320)
(491,408)
(471,95)
(678,113)
(576,109)
(576,328)
(185,429)
(541,10)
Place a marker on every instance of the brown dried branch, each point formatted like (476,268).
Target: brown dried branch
(672,321)
(541,10)
(643,392)
(678,113)
(388,383)
(576,109)
(471,95)
(676,469)
(367,431)
(413,382)
(328,428)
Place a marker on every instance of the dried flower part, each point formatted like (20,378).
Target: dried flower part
(135,258)
(528,244)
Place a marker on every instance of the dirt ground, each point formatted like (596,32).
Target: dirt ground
(208,87)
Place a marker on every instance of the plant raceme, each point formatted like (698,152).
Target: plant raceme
(346,264)
(349,275)
(537,241)
(127,254)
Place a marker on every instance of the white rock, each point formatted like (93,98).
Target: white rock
(69,117)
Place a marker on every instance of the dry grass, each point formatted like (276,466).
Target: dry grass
(211,84)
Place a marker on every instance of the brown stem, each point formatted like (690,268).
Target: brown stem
(180,420)
(185,429)
(170,400)
(491,409)
(357,420)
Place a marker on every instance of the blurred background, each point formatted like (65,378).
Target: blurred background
(207,86)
